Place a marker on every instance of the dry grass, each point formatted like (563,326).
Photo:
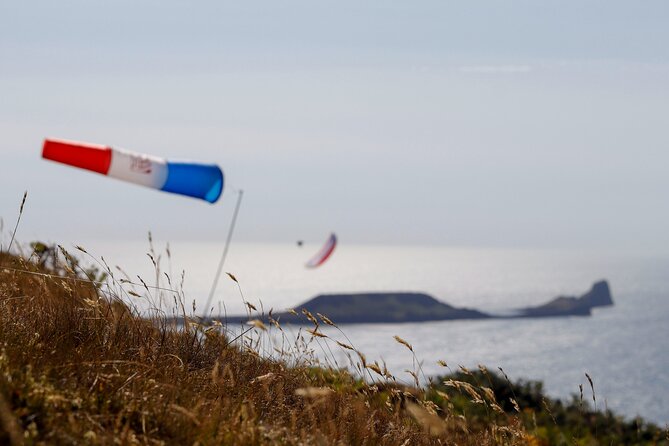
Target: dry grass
(78,366)
(81,364)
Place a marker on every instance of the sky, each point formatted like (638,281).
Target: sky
(478,123)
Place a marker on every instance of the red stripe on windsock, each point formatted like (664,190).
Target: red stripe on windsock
(78,154)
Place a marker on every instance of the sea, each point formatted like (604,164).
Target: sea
(623,348)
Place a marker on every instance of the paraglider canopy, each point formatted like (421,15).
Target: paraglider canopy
(324,253)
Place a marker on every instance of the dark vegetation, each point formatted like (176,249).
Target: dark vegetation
(547,420)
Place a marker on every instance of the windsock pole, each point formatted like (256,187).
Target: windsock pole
(224,255)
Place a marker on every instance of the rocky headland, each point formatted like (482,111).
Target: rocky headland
(397,307)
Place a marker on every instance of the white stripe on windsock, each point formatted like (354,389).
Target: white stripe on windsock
(145,170)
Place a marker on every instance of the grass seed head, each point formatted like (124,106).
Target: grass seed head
(432,423)
(313,392)
(257,323)
(403,342)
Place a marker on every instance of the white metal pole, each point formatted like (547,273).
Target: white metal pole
(224,255)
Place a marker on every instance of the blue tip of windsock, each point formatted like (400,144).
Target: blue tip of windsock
(203,181)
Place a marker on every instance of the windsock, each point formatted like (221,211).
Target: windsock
(204,181)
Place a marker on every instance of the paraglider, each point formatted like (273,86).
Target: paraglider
(324,253)
(204,181)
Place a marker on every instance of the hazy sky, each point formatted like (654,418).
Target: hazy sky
(475,123)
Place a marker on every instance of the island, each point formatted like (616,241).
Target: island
(399,307)
(381,307)
(598,296)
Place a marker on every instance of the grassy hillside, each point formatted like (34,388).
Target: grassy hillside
(78,366)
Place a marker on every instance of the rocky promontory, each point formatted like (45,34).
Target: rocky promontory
(394,307)
(382,307)
(598,296)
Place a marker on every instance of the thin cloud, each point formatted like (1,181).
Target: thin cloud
(496,69)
